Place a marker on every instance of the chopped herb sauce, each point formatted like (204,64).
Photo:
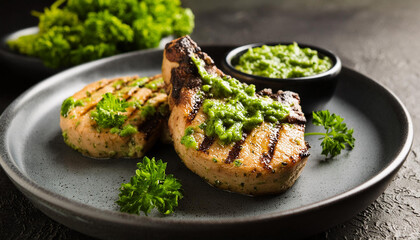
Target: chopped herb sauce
(233,107)
(68,105)
(188,139)
(139,82)
(148,111)
(283,61)
(153,85)
(237,163)
(127,130)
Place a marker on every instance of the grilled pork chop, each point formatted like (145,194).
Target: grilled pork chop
(146,113)
(268,159)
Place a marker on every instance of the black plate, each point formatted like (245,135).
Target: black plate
(81,192)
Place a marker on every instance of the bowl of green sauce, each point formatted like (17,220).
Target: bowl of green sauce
(310,71)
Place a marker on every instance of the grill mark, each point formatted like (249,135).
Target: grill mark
(142,104)
(287,97)
(155,77)
(140,87)
(132,93)
(86,110)
(156,104)
(126,84)
(186,74)
(268,156)
(197,105)
(115,91)
(176,85)
(150,126)
(304,153)
(206,144)
(93,90)
(294,119)
(179,51)
(147,81)
(183,76)
(107,84)
(236,149)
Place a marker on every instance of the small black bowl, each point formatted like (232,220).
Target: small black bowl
(314,91)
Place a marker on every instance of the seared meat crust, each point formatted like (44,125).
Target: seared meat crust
(81,132)
(267,160)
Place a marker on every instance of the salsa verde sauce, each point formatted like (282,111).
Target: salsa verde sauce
(283,61)
(232,107)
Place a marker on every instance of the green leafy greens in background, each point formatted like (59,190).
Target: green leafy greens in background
(150,188)
(76,31)
(337,135)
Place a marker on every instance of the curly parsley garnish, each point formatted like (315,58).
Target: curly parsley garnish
(108,113)
(337,135)
(150,188)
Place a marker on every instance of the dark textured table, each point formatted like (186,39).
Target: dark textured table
(380,39)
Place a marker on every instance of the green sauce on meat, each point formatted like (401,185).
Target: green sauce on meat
(68,105)
(233,107)
(188,140)
(283,61)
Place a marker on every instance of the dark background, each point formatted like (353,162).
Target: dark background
(377,38)
(15,15)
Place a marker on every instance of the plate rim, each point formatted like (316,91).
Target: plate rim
(111,216)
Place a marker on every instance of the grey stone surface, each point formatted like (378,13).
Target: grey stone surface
(377,38)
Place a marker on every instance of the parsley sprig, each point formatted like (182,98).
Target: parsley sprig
(109,111)
(150,188)
(337,135)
